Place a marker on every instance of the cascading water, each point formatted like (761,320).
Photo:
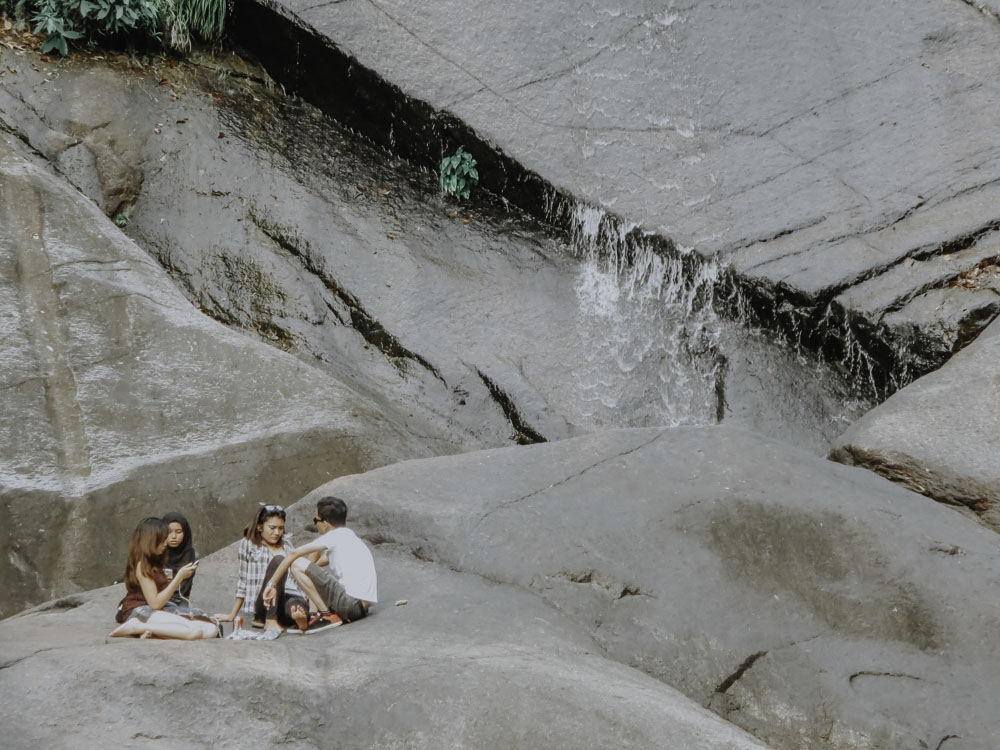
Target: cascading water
(656,352)
(649,334)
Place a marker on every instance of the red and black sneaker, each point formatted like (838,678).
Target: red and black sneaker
(322,621)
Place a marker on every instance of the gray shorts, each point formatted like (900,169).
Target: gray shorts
(333,594)
(142,613)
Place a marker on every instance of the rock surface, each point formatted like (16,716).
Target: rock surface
(466,663)
(813,148)
(121,400)
(938,436)
(476,317)
(813,604)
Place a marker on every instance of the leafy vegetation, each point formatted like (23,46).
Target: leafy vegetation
(458,174)
(65,21)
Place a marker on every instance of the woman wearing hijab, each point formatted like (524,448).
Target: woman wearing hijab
(180,552)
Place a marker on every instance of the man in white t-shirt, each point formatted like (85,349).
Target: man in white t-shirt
(344,589)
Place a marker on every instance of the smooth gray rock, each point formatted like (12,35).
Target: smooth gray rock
(120,400)
(938,436)
(466,663)
(812,147)
(476,317)
(813,604)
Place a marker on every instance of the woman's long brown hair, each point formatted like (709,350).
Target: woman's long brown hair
(264,512)
(147,539)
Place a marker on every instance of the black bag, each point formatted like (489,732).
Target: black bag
(120,614)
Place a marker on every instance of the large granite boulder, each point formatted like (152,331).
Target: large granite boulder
(120,400)
(474,316)
(939,436)
(814,604)
(466,663)
(816,148)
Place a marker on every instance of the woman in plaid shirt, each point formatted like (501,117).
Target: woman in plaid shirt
(262,547)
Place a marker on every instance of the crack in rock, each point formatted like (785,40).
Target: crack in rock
(61,605)
(983,8)
(740,671)
(778,235)
(866,673)
(524,433)
(362,321)
(609,584)
(905,471)
(570,478)
(33,654)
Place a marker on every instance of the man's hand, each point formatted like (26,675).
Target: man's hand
(270,594)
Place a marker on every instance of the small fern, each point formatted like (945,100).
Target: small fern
(458,174)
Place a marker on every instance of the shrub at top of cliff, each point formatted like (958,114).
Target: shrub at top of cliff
(173,21)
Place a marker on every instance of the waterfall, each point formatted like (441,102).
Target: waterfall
(646,327)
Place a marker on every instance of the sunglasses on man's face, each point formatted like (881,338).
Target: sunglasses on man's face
(316,520)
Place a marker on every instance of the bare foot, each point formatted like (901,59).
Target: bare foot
(147,634)
(300,616)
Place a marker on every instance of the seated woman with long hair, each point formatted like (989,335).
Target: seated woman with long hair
(262,548)
(145,611)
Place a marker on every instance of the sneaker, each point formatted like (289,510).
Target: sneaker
(322,621)
(310,619)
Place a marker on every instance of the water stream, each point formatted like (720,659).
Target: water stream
(474,324)
(476,318)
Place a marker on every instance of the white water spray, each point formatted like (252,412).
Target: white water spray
(648,332)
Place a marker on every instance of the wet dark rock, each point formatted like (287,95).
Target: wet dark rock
(938,436)
(121,400)
(813,149)
(465,663)
(474,317)
(812,604)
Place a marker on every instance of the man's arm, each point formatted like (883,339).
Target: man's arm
(306,549)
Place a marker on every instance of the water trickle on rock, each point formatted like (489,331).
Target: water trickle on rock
(648,331)
(656,350)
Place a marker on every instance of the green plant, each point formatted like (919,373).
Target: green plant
(65,20)
(121,220)
(458,174)
(53,18)
(205,18)
(120,16)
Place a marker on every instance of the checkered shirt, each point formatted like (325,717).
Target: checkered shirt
(253,565)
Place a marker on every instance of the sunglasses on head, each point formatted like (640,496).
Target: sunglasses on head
(272,508)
